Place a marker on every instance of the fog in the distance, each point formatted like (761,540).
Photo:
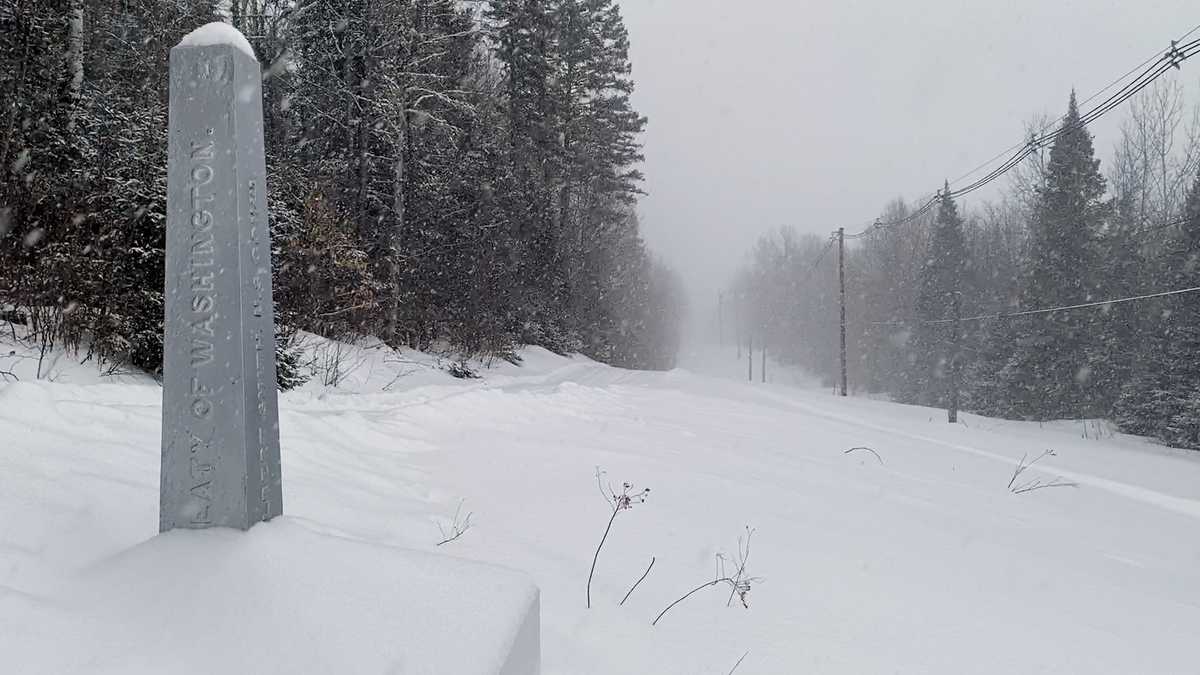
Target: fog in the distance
(772,112)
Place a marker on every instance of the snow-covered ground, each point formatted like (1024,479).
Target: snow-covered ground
(920,561)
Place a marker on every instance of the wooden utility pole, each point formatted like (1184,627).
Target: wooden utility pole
(737,325)
(841,236)
(955,356)
(721,318)
(763,368)
(750,358)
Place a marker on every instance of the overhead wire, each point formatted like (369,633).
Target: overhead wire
(1064,308)
(817,261)
(1059,120)
(1001,316)
(1151,69)
(1159,64)
(1175,222)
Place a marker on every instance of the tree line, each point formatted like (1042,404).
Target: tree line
(1063,233)
(440,175)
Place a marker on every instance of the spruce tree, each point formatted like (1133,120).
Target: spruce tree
(599,148)
(1163,398)
(1119,330)
(1048,373)
(526,44)
(574,147)
(941,279)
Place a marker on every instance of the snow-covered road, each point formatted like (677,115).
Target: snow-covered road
(921,561)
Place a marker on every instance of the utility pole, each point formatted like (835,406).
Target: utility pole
(841,236)
(763,368)
(955,356)
(721,318)
(750,358)
(737,324)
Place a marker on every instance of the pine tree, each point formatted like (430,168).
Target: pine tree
(526,43)
(598,138)
(941,279)
(1048,372)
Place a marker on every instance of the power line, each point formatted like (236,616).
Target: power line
(1046,310)
(1148,72)
(1085,305)
(817,262)
(1001,315)
(1158,65)
(1156,56)
(1189,33)
(1171,58)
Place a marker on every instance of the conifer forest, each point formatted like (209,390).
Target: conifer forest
(442,175)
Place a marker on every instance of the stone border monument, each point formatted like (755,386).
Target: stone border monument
(220,450)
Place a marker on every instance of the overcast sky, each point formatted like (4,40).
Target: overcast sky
(815,114)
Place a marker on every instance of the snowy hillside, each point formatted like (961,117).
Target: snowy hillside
(912,556)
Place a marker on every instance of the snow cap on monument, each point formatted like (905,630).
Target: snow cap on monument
(218,33)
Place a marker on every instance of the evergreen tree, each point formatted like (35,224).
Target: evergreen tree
(1048,374)
(423,188)
(526,43)
(941,279)
(335,166)
(1163,398)
(86,204)
(598,147)
(1118,330)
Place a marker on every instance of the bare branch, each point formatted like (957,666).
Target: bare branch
(353,308)
(638,582)
(596,556)
(457,528)
(743,557)
(1018,470)
(863,447)
(739,662)
(1038,485)
(685,596)
(739,583)
(1030,486)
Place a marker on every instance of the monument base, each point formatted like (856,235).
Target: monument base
(283,599)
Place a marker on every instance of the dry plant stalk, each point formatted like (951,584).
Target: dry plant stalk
(619,502)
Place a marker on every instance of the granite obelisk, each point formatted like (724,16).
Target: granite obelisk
(220,450)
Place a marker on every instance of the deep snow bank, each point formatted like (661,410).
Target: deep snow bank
(277,599)
(87,586)
(922,562)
